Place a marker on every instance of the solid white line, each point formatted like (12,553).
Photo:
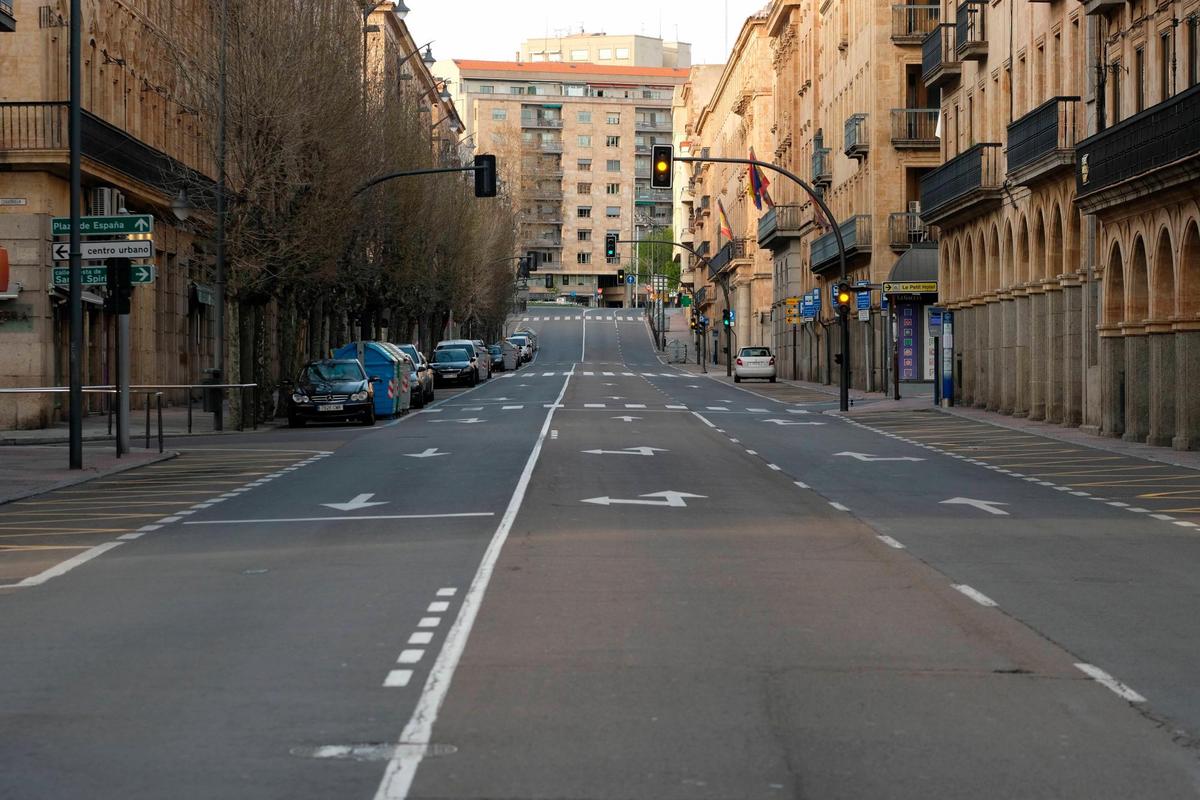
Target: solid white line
(890,542)
(976,595)
(839,506)
(64,567)
(339,519)
(398,678)
(702,419)
(438,606)
(1108,681)
(447,592)
(402,768)
(421,637)
(410,656)
(583,345)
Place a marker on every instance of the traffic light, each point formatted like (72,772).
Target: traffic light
(726,317)
(620,276)
(662,166)
(120,284)
(842,297)
(610,245)
(485,176)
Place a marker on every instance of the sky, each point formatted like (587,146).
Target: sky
(494,29)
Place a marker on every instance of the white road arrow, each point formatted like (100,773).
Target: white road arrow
(357,504)
(628,451)
(986,505)
(790,422)
(869,457)
(627,419)
(470,421)
(669,500)
(430,453)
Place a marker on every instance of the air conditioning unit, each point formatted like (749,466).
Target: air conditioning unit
(105,202)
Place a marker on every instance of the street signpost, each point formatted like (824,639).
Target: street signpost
(98,251)
(98,276)
(104,226)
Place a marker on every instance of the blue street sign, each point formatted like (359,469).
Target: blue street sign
(816,296)
(864,300)
(631,279)
(732,315)
(572,294)
(935,322)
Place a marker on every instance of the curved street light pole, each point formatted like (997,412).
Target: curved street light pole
(844,389)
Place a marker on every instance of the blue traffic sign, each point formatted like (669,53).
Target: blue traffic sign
(864,300)
(631,279)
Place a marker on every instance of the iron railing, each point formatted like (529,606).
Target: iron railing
(855,135)
(905,229)
(856,234)
(1048,129)
(541,122)
(911,23)
(33,126)
(822,171)
(976,168)
(789,219)
(915,127)
(968,30)
(937,50)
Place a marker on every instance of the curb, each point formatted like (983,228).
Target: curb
(49,440)
(63,484)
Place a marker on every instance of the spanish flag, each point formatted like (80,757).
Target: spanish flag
(726,229)
(759,185)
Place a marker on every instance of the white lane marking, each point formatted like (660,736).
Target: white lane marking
(449,591)
(889,541)
(677,408)
(149,528)
(1139,510)
(402,767)
(588,374)
(128,537)
(757,410)
(438,607)
(976,595)
(554,434)
(359,502)
(1118,504)
(984,505)
(635,405)
(802,484)
(1183,523)
(595,405)
(1109,682)
(547,374)
(64,567)
(715,408)
(398,678)
(752,452)
(511,408)
(607,374)
(628,374)
(429,622)
(735,441)
(410,656)
(838,506)
(165,520)
(1163,517)
(421,637)
(772,466)
(697,415)
(339,519)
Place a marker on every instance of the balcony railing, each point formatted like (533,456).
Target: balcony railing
(1043,141)
(733,250)
(547,146)
(541,122)
(855,136)
(969,39)
(822,171)
(905,229)
(652,125)
(938,63)
(961,183)
(911,23)
(653,196)
(783,222)
(915,127)
(1163,140)
(7,22)
(33,126)
(856,235)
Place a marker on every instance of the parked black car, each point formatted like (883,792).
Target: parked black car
(497,353)
(332,389)
(455,364)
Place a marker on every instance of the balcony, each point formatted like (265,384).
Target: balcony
(1150,152)
(687,235)
(550,146)
(8,23)
(1101,6)
(652,125)
(970,42)
(963,187)
(822,169)
(1042,143)
(541,122)
(938,65)
(915,128)
(783,223)
(855,137)
(543,243)
(911,24)
(856,234)
(651,196)
(545,193)
(734,250)
(906,229)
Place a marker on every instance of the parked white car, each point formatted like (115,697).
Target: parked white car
(754,362)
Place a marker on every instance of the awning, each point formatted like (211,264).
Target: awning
(60,294)
(915,272)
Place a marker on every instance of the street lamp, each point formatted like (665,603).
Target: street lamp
(181,206)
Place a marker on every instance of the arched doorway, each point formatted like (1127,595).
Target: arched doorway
(1054,366)
(1031,250)
(1187,343)
(1137,345)
(1161,343)
(1112,346)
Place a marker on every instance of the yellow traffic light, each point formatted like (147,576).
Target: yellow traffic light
(843,297)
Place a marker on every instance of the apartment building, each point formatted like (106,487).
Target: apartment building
(611,50)
(574,143)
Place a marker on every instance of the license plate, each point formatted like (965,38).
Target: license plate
(334,407)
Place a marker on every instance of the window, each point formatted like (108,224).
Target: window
(499,114)
(537,57)
(583,235)
(1193,63)
(580,258)
(605,54)
(584,212)
(1164,66)
(579,55)
(613,188)
(612,141)
(1139,77)
(485,89)
(613,165)
(583,188)
(614,119)
(554,57)
(583,116)
(585,140)
(1115,78)
(549,281)
(584,164)
(516,90)
(612,212)
(622,52)
(574,90)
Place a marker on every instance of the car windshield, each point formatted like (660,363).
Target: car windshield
(333,372)
(411,352)
(755,351)
(448,354)
(496,350)
(518,340)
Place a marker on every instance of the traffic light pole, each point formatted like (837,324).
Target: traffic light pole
(75,356)
(378,179)
(844,393)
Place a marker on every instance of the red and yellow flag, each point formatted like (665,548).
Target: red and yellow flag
(759,185)
(723,220)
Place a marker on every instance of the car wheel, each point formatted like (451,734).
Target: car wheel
(369,418)
(429,399)
(296,422)
(418,399)
(772,379)
(737,378)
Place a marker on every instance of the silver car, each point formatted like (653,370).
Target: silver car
(754,362)
(482,359)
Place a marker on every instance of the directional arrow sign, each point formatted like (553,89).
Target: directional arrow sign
(104,226)
(628,451)
(790,422)
(430,453)
(94,251)
(471,421)
(869,457)
(667,500)
(98,276)
(627,419)
(986,505)
(357,504)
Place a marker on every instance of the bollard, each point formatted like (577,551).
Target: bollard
(147,420)
(160,430)
(189,396)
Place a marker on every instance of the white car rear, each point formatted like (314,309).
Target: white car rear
(754,362)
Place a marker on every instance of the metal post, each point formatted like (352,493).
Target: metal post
(937,371)
(160,430)
(123,359)
(147,420)
(75,402)
(795,355)
(219,355)
(189,396)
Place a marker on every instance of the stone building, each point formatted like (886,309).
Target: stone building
(574,143)
(630,50)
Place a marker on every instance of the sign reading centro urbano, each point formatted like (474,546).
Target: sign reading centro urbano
(104,226)
(93,251)
(927,287)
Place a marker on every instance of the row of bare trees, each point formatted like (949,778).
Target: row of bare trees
(311,265)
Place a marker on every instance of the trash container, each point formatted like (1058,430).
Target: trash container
(407,371)
(380,362)
(512,355)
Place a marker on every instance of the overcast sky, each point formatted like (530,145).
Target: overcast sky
(494,30)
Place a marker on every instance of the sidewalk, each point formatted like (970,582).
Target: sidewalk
(95,428)
(28,471)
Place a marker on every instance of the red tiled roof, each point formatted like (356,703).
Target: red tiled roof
(581,68)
